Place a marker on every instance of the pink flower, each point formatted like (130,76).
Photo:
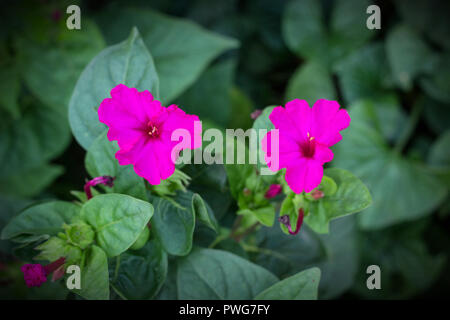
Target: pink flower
(255,114)
(305,138)
(273,191)
(143,129)
(105,180)
(36,274)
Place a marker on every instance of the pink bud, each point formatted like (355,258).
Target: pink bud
(255,114)
(274,190)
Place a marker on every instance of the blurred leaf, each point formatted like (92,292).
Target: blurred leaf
(51,70)
(439,158)
(31,181)
(310,82)
(174,222)
(129,63)
(440,151)
(100,160)
(9,90)
(402,190)
(219,275)
(301,286)
(241,108)
(211,182)
(41,219)
(39,135)
(308,34)
(209,97)
(350,197)
(140,274)
(181,49)
(262,122)
(204,213)
(428,16)
(437,84)
(335,254)
(364,74)
(407,266)
(94,275)
(437,115)
(117,220)
(408,55)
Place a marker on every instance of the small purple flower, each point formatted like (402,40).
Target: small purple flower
(286,221)
(274,190)
(255,114)
(105,180)
(36,274)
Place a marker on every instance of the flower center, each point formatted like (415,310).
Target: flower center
(308,147)
(152,130)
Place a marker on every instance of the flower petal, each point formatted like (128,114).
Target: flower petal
(328,120)
(306,176)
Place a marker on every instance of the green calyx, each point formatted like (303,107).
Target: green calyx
(177,181)
(55,248)
(79,234)
(327,187)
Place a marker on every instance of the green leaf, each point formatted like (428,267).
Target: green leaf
(237,175)
(211,182)
(363,74)
(301,286)
(308,34)
(174,222)
(51,71)
(140,274)
(335,254)
(310,82)
(220,275)
(407,266)
(204,212)
(402,190)
(351,196)
(408,55)
(129,63)
(9,90)
(28,142)
(241,108)
(263,122)
(94,275)
(117,219)
(179,62)
(440,151)
(30,182)
(437,83)
(41,219)
(437,115)
(100,160)
(213,88)
(429,17)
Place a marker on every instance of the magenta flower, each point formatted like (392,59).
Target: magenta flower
(305,138)
(143,129)
(36,274)
(273,191)
(105,180)
(287,222)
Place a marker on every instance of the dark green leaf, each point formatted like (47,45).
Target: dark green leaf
(216,274)
(117,219)
(140,274)
(301,286)
(129,63)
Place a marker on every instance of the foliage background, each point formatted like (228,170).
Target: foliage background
(395,82)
